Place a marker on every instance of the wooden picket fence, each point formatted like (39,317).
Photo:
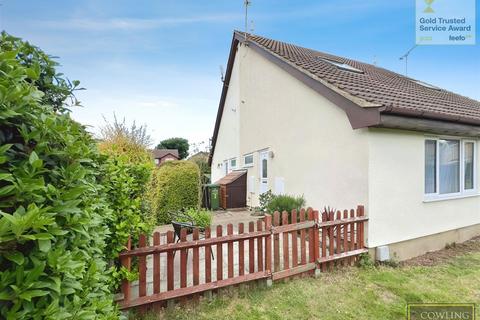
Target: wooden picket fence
(273,248)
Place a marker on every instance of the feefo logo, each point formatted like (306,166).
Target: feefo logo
(445,22)
(441,311)
(429,9)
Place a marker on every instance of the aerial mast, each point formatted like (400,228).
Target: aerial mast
(405,57)
(246,3)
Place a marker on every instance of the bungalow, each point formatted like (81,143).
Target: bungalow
(342,133)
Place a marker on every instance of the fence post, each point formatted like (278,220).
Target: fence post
(361,237)
(286,253)
(126,263)
(316,243)
(311,238)
(156,264)
(230,251)
(142,268)
(324,239)
(268,248)
(276,243)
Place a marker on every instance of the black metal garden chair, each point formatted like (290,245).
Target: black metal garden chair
(189,226)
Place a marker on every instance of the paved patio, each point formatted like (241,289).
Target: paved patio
(220,218)
(223,217)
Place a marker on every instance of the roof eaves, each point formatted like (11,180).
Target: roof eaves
(226,82)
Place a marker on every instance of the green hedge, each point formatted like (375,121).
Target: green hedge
(175,186)
(52,207)
(125,183)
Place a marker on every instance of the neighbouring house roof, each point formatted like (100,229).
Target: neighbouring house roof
(199,156)
(371,96)
(161,153)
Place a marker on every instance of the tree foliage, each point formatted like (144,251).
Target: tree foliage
(52,225)
(136,135)
(175,186)
(201,160)
(181,144)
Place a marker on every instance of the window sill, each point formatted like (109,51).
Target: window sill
(450,197)
(248,166)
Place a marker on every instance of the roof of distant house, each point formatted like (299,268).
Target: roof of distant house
(160,153)
(199,155)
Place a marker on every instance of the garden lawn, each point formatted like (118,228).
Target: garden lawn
(349,293)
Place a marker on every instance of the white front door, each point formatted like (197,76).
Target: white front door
(263,172)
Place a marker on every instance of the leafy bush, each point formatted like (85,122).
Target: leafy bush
(175,186)
(201,218)
(201,160)
(365,261)
(126,174)
(284,202)
(52,231)
(265,199)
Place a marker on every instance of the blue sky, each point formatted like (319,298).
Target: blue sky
(158,62)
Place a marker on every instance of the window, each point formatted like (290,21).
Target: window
(342,65)
(427,85)
(248,160)
(449,167)
(264,168)
(469,163)
(233,163)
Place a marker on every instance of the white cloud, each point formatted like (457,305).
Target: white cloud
(133,23)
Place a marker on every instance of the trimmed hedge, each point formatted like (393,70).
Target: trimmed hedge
(175,186)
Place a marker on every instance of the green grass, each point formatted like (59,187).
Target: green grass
(351,293)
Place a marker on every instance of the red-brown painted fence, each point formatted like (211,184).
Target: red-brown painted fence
(276,247)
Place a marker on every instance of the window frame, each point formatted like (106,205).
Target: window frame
(247,165)
(463,192)
(232,167)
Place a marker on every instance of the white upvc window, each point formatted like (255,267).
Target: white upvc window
(248,160)
(450,168)
(233,164)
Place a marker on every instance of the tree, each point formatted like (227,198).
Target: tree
(180,144)
(115,130)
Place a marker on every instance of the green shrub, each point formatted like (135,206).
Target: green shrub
(126,174)
(52,207)
(284,202)
(365,261)
(175,186)
(201,218)
(265,199)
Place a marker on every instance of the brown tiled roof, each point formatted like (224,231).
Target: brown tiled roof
(375,86)
(160,153)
